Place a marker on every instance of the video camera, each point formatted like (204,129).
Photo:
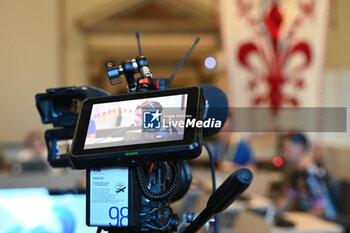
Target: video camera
(134,148)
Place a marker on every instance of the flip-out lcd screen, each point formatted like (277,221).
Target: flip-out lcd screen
(152,126)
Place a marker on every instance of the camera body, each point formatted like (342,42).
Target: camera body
(134,141)
(61,107)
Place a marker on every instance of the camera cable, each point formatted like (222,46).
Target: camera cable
(175,180)
(212,169)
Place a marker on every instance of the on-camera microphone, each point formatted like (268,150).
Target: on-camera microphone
(216,107)
(222,198)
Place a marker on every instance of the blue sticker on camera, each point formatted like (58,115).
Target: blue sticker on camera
(152,119)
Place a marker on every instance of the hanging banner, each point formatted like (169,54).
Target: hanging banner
(274,51)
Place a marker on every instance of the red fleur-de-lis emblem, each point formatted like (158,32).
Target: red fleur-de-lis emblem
(276,57)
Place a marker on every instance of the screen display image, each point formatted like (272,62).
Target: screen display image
(35,210)
(139,121)
(108,197)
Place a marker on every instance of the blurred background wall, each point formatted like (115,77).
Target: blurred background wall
(30,62)
(52,43)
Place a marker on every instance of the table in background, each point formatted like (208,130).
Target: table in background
(307,223)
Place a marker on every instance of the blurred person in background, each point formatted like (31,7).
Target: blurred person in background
(231,151)
(305,188)
(34,156)
(4,164)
